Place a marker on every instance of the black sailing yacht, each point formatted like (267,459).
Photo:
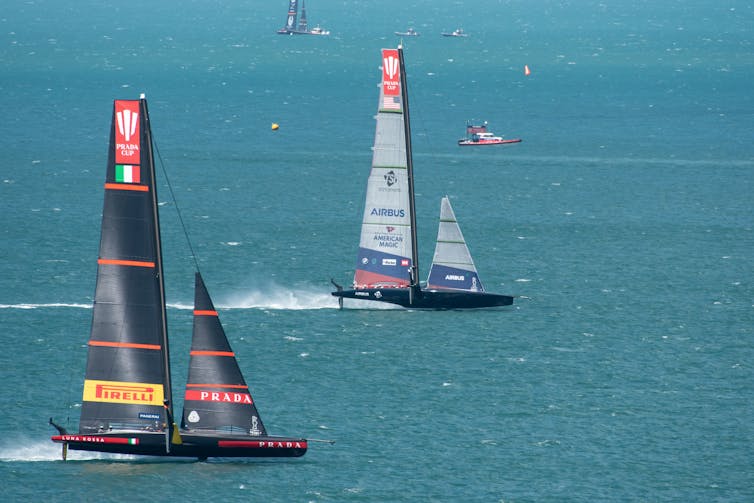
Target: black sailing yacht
(127,403)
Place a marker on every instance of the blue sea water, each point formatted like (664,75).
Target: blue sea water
(624,223)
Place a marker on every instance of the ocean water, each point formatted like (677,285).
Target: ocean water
(624,223)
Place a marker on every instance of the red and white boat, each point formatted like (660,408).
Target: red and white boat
(478,135)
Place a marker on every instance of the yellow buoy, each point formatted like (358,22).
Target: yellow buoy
(275,126)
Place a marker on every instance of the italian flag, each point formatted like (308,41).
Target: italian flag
(126,173)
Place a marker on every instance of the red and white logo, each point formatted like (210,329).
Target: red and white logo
(127,132)
(218,396)
(127,122)
(391,85)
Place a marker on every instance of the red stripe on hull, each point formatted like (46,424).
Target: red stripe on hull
(262,444)
(93,439)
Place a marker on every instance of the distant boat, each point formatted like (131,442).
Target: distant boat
(302,28)
(387,266)
(478,135)
(455,33)
(408,33)
(127,405)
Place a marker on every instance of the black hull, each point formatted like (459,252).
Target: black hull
(193,446)
(429,299)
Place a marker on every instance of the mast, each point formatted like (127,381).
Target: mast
(414,271)
(303,26)
(168,392)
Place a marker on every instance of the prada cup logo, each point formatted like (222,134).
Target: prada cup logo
(127,122)
(391,66)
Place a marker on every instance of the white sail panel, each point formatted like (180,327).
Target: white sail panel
(452,265)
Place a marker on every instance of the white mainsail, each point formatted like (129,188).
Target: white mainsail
(385,248)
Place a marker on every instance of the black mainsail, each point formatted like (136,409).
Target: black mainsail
(127,374)
(127,402)
(387,266)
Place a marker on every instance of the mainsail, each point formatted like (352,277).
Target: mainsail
(385,249)
(290,23)
(217,398)
(127,373)
(452,265)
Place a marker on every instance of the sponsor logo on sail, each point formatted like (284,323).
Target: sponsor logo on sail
(123,392)
(218,396)
(405,262)
(127,132)
(255,427)
(388,212)
(390,72)
(388,241)
(455,277)
(390,179)
(389,261)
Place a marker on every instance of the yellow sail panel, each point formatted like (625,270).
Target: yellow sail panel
(123,392)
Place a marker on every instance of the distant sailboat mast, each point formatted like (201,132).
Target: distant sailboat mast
(303,26)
